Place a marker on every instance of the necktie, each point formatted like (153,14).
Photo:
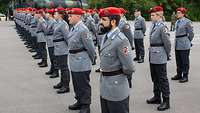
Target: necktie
(177,24)
(106,37)
(72,29)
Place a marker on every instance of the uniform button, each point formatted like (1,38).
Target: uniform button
(116,82)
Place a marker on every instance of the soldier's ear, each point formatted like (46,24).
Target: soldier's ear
(113,22)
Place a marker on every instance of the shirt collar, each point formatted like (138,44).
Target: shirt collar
(181,19)
(111,32)
(77,24)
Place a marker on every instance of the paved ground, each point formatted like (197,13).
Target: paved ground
(24,88)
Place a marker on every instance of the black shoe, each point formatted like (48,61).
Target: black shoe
(98,70)
(57,86)
(31,50)
(183,80)
(40,63)
(44,64)
(141,61)
(135,59)
(35,55)
(63,90)
(154,100)
(76,106)
(85,109)
(28,46)
(50,72)
(54,75)
(36,58)
(164,105)
(176,77)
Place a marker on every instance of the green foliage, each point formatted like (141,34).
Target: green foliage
(169,6)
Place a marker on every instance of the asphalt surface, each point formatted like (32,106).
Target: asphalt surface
(24,88)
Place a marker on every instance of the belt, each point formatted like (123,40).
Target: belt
(112,73)
(77,50)
(49,34)
(39,31)
(180,36)
(59,40)
(33,26)
(138,28)
(157,45)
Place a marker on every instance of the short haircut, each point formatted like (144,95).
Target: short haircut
(115,17)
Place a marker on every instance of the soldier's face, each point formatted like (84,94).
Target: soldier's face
(179,14)
(73,19)
(105,24)
(136,14)
(154,17)
(56,15)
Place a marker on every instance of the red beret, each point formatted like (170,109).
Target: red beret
(59,9)
(46,10)
(30,9)
(156,9)
(109,11)
(123,11)
(181,9)
(40,11)
(51,11)
(34,9)
(91,11)
(77,11)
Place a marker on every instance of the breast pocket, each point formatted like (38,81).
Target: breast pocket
(158,54)
(109,57)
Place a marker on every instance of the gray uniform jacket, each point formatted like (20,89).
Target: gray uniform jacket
(126,29)
(33,28)
(184,34)
(96,18)
(61,31)
(140,28)
(28,21)
(80,38)
(49,32)
(160,45)
(115,54)
(90,23)
(41,26)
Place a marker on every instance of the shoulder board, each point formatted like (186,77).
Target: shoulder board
(121,36)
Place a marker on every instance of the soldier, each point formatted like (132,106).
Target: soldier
(96,16)
(173,21)
(125,27)
(33,28)
(115,62)
(90,23)
(139,33)
(41,42)
(184,37)
(49,39)
(81,56)
(61,31)
(159,51)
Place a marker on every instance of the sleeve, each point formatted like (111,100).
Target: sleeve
(125,57)
(143,26)
(43,24)
(189,29)
(88,44)
(165,36)
(65,31)
(128,33)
